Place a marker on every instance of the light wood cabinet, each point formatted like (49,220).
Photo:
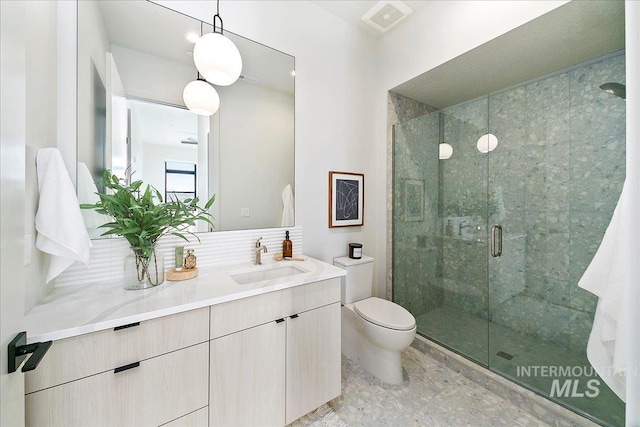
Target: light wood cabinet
(89,354)
(155,392)
(247,383)
(262,360)
(274,372)
(313,360)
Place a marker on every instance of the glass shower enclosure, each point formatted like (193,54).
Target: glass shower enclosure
(489,244)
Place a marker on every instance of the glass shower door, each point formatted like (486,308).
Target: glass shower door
(440,227)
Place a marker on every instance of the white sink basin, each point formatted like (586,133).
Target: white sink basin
(266,274)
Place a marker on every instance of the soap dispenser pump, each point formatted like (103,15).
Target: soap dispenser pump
(287,247)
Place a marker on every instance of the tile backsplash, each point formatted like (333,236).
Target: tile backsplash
(216,248)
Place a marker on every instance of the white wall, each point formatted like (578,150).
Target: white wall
(335,110)
(41,128)
(256,155)
(13,32)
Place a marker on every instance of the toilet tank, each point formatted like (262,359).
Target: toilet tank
(358,283)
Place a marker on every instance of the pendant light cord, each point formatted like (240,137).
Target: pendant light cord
(217,15)
(198,77)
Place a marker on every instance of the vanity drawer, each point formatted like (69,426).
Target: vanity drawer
(159,390)
(77,357)
(245,313)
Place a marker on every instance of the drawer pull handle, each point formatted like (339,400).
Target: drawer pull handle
(130,325)
(295,316)
(279,320)
(126,367)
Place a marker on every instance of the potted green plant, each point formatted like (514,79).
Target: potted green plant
(142,217)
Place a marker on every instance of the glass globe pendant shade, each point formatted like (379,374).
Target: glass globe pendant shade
(487,142)
(201,98)
(445,151)
(217,59)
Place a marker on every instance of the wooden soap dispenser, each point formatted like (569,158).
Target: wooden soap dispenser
(287,247)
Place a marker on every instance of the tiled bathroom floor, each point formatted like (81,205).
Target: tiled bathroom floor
(431,395)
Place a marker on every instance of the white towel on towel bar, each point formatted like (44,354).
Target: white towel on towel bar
(288,215)
(59,223)
(606,277)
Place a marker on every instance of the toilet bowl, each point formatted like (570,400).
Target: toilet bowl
(374,330)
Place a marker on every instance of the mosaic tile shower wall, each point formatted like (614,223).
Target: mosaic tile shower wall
(557,179)
(416,224)
(552,183)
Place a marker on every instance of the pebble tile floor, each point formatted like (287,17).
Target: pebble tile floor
(431,395)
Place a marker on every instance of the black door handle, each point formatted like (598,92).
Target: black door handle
(295,316)
(18,350)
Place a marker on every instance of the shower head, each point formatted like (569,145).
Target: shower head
(616,89)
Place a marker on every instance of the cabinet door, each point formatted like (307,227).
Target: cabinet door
(313,360)
(247,377)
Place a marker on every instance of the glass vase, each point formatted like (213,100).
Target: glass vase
(142,271)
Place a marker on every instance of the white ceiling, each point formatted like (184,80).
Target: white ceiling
(352,10)
(571,34)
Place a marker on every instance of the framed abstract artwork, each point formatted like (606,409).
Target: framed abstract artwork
(346,199)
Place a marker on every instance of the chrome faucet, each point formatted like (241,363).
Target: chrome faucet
(259,250)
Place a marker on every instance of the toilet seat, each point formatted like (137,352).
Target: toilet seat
(385,313)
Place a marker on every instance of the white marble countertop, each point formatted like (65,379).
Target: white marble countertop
(76,310)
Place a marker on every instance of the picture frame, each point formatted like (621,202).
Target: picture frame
(346,199)
(413,200)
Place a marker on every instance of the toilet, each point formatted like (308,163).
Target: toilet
(374,330)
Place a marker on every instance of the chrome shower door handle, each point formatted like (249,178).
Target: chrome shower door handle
(496,241)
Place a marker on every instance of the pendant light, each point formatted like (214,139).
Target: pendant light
(201,98)
(445,151)
(216,57)
(487,142)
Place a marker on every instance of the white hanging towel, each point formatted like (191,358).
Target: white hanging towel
(606,277)
(288,216)
(88,194)
(59,224)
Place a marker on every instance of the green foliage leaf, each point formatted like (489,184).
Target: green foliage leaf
(142,217)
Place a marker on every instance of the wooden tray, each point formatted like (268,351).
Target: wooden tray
(174,276)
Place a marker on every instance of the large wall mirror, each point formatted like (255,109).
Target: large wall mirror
(134,60)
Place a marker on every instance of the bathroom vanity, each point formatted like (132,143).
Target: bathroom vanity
(207,351)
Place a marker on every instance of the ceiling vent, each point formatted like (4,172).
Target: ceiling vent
(386,15)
